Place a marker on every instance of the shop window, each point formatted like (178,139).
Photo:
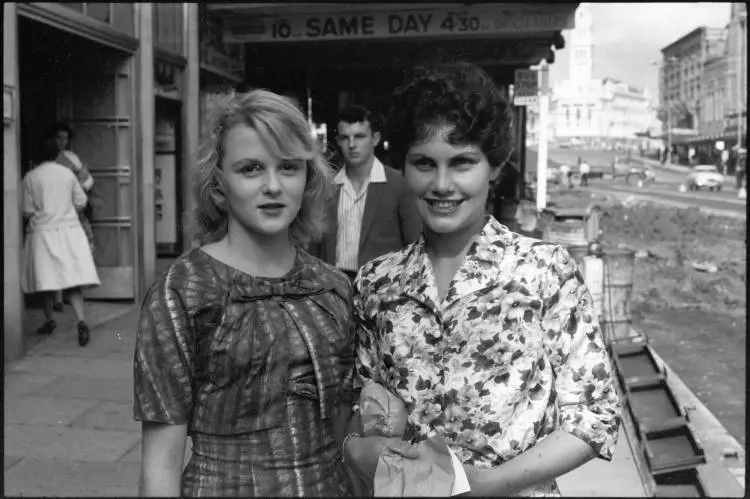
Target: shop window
(168,26)
(123,17)
(99,11)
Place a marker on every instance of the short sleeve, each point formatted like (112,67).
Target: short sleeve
(365,341)
(588,403)
(164,358)
(28,201)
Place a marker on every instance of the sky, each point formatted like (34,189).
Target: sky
(629,35)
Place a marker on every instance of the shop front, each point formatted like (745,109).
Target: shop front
(329,56)
(95,67)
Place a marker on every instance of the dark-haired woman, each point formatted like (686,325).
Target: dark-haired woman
(490,338)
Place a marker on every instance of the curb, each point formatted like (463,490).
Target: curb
(715,439)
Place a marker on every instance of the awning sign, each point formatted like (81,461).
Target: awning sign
(418,22)
(526,87)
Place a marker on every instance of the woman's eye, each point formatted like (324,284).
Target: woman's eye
(290,166)
(422,164)
(251,168)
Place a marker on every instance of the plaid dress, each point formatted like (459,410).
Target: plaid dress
(255,367)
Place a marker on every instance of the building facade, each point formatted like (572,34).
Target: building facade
(127,77)
(681,76)
(592,111)
(736,104)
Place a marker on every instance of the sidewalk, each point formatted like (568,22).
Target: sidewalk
(69,429)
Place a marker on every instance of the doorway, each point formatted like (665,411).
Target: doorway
(63,77)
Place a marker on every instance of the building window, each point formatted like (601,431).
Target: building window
(168,26)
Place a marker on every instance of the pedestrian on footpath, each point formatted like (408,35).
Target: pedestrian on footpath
(371,213)
(585,171)
(490,337)
(56,255)
(61,136)
(244,343)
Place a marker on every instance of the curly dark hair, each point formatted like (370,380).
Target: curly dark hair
(460,95)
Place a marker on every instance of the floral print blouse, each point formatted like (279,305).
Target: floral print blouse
(512,353)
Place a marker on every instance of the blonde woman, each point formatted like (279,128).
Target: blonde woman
(244,343)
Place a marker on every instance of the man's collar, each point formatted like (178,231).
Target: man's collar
(377,174)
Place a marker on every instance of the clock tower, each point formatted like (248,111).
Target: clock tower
(582,47)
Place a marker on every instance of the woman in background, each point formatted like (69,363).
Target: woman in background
(489,337)
(244,343)
(56,252)
(61,136)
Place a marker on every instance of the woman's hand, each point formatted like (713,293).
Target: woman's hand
(362,454)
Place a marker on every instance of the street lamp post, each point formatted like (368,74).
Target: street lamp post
(668,63)
(740,58)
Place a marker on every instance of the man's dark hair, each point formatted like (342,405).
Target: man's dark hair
(358,114)
(459,95)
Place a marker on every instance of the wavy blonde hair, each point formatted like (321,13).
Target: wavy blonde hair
(286,134)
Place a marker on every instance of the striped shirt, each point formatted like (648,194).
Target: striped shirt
(350,212)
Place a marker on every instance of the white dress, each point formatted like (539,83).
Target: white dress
(56,252)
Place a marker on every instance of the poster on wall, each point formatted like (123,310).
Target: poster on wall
(165,181)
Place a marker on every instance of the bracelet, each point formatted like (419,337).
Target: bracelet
(343,444)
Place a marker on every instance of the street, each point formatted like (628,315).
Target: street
(665,189)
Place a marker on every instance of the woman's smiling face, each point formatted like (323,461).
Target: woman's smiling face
(451,182)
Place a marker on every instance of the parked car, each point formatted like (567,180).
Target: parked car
(704,176)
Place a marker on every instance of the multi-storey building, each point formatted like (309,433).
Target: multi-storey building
(134,78)
(128,78)
(736,98)
(597,112)
(681,78)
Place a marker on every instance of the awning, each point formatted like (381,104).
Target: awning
(309,24)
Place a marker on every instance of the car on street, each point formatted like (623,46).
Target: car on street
(707,176)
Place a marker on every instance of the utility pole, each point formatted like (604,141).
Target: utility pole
(541,167)
(740,49)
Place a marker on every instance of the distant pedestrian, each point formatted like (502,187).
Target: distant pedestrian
(585,171)
(61,136)
(244,343)
(741,169)
(565,175)
(56,253)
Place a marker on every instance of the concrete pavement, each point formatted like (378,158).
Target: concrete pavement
(69,428)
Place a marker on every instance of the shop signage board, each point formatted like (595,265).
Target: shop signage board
(526,87)
(427,21)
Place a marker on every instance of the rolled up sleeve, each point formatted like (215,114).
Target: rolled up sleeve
(589,406)
(164,358)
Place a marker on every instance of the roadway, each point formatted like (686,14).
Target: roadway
(665,189)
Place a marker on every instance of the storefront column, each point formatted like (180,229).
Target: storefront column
(146,268)
(13,302)
(190,119)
